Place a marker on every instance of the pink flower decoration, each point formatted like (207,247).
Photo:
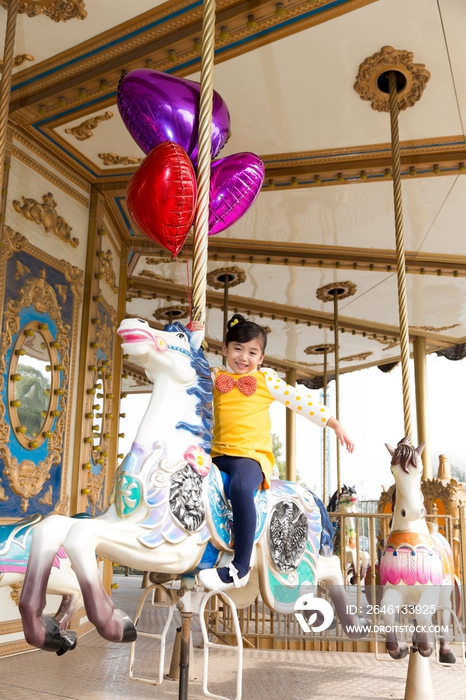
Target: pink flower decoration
(198,460)
(160,344)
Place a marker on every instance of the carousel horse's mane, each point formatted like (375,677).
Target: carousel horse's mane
(202,391)
(405,454)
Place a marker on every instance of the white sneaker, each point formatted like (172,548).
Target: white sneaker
(211,580)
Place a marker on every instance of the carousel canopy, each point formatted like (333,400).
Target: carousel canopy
(324,217)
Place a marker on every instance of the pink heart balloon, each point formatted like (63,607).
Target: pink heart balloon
(235,182)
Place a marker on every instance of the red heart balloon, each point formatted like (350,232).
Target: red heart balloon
(161,196)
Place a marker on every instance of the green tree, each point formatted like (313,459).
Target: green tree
(30,390)
(277,447)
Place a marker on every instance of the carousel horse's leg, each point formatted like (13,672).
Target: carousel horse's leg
(40,630)
(329,571)
(392,601)
(427,603)
(446,656)
(63,582)
(80,546)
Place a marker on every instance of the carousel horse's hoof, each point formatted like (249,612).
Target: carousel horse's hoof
(129,630)
(69,639)
(426,652)
(211,580)
(449,658)
(400,653)
(52,639)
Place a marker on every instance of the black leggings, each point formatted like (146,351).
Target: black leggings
(245,478)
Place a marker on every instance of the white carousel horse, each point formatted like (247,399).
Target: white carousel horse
(15,543)
(169,512)
(416,567)
(346,501)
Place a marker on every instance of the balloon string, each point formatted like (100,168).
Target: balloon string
(183,269)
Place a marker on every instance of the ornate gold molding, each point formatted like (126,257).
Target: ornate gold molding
(26,477)
(48,175)
(341,289)
(84,130)
(56,10)
(386,60)
(106,270)
(217,278)
(181,22)
(19,60)
(153,276)
(46,215)
(171,313)
(16,592)
(436,329)
(56,163)
(114,159)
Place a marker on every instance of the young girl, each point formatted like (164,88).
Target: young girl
(242,443)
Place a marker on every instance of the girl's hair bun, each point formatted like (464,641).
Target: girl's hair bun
(237,318)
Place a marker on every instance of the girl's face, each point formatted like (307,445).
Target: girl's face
(243,358)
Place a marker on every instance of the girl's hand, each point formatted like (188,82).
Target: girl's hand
(195,326)
(340,432)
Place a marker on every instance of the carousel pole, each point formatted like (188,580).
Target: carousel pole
(5,89)
(200,243)
(201,226)
(225,314)
(400,253)
(324,437)
(337,380)
(392,72)
(334,292)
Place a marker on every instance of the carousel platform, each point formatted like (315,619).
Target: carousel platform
(98,670)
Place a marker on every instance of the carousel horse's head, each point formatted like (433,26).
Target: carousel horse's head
(348,499)
(174,351)
(406,467)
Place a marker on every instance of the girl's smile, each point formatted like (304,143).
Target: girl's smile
(243,358)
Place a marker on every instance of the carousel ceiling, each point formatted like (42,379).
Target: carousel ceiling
(287,72)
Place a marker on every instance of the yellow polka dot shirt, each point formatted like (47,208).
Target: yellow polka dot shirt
(242,425)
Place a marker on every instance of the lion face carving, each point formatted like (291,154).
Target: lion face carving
(185,498)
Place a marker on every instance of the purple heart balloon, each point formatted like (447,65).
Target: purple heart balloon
(235,182)
(158,107)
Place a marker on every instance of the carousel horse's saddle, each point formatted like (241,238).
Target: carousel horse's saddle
(15,544)
(288,521)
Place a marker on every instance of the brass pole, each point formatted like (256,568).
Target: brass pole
(7,71)
(201,226)
(400,254)
(337,381)
(225,313)
(291,434)
(420,376)
(324,441)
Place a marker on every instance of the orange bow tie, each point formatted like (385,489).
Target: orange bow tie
(247,385)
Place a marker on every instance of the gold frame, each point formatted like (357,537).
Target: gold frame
(59,441)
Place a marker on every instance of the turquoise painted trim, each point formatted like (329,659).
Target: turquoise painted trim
(115,42)
(126,221)
(187,64)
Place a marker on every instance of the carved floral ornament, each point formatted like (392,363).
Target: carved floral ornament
(389,59)
(84,130)
(106,270)
(56,10)
(27,477)
(46,215)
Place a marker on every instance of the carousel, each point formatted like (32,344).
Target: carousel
(165,167)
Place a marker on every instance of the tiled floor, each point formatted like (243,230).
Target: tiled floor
(98,670)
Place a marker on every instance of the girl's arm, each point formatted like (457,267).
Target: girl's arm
(300,401)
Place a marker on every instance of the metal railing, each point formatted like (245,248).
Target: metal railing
(261,627)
